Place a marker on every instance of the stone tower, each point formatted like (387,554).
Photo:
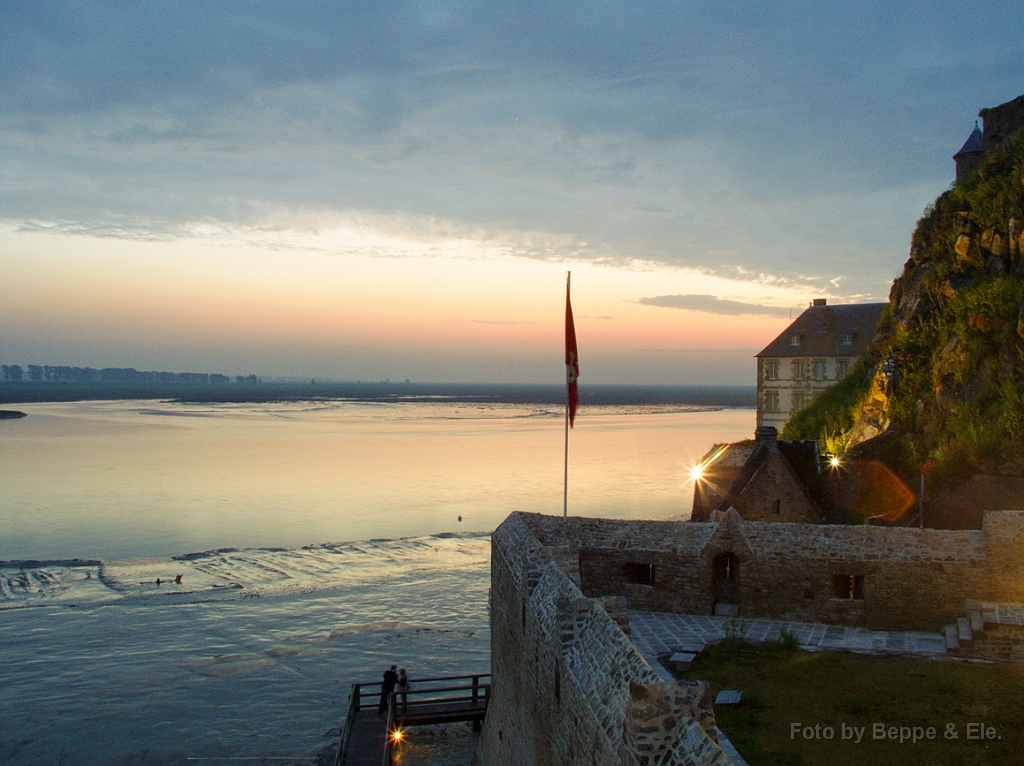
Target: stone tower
(970,154)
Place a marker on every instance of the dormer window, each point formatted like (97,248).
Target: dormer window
(795,340)
(849,338)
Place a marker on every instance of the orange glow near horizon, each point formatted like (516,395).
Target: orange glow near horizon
(121,294)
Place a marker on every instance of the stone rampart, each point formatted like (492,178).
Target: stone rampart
(879,577)
(1001,122)
(568,687)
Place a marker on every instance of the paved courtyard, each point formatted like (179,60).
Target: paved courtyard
(658,633)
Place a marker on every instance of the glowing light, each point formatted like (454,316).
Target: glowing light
(834,462)
(397,735)
(697,472)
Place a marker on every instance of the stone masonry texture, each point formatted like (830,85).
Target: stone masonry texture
(907,579)
(568,686)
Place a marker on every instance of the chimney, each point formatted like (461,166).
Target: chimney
(819,302)
(766,434)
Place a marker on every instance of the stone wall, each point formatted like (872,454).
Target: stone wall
(879,577)
(568,687)
(1000,642)
(1001,122)
(777,496)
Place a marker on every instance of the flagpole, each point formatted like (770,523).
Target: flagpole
(565,480)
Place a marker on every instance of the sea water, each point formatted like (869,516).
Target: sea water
(261,510)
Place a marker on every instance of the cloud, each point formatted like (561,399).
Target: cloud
(693,135)
(512,323)
(709,304)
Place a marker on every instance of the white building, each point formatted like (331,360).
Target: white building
(813,353)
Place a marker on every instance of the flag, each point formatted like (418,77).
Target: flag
(572,359)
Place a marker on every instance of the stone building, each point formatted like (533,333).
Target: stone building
(813,353)
(885,578)
(998,122)
(969,157)
(777,481)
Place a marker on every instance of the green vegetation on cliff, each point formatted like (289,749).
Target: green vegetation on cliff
(831,416)
(954,334)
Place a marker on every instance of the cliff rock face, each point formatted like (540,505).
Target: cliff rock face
(949,353)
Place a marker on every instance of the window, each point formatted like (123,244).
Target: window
(842,367)
(638,574)
(819,369)
(771,401)
(798,370)
(799,400)
(849,338)
(726,566)
(778,507)
(771,370)
(795,340)
(848,587)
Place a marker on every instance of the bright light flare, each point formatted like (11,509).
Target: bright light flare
(834,461)
(397,736)
(698,471)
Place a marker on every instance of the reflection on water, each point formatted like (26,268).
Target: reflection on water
(117,671)
(253,652)
(127,479)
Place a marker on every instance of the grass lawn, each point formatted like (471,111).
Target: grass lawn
(837,696)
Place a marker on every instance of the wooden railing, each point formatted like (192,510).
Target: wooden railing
(421,704)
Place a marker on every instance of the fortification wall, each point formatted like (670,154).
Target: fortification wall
(878,577)
(568,687)
(1001,122)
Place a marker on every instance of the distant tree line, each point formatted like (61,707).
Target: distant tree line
(119,376)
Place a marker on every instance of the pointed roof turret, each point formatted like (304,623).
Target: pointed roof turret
(974,144)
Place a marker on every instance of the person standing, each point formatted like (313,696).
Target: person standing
(403,689)
(387,687)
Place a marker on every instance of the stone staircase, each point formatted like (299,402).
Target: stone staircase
(989,630)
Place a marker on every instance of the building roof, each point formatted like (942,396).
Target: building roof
(828,331)
(801,456)
(975,143)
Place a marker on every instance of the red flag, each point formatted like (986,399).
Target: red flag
(572,359)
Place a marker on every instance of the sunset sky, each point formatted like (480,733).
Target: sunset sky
(395,190)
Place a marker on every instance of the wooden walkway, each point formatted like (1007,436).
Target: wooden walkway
(368,736)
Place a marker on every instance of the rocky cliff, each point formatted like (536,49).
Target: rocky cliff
(948,359)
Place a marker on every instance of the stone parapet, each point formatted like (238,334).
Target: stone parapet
(895,578)
(568,687)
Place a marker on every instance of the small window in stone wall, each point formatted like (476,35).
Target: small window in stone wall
(638,574)
(849,587)
(727,566)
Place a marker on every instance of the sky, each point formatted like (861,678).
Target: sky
(371,190)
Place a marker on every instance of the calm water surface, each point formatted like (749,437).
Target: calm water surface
(123,479)
(252,655)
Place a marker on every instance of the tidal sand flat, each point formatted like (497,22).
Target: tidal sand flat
(251,655)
